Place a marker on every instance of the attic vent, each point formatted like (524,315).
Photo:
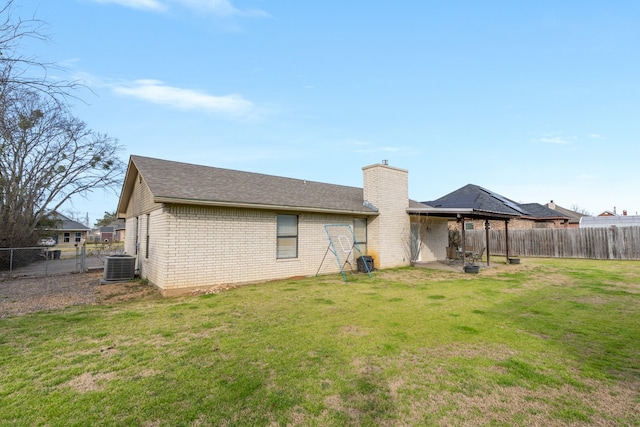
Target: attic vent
(118,268)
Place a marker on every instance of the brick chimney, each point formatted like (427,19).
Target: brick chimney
(387,188)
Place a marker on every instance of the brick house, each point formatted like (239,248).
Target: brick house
(574,217)
(193,226)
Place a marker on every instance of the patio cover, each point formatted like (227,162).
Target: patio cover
(462,214)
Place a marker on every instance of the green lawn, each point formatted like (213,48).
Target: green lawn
(548,342)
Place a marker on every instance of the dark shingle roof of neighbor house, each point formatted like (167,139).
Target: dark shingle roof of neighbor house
(176,182)
(538,211)
(64,223)
(574,217)
(475,197)
(478,198)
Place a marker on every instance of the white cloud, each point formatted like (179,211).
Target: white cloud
(136,4)
(554,138)
(157,92)
(222,8)
(216,7)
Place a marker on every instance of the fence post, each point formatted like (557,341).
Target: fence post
(83,252)
(11,263)
(80,253)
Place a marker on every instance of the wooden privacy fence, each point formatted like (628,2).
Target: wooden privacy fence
(593,243)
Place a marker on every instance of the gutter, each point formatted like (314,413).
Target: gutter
(178,201)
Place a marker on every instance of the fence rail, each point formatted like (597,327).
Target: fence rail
(47,261)
(622,243)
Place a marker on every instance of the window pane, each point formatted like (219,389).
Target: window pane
(287,225)
(287,240)
(287,247)
(360,230)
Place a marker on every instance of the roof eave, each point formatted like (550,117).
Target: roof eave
(460,212)
(444,211)
(214,203)
(127,189)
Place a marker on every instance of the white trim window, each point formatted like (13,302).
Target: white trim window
(287,237)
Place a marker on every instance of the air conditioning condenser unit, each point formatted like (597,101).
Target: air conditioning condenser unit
(118,268)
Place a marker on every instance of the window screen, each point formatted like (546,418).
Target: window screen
(287,236)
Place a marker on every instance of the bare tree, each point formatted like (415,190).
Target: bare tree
(24,70)
(580,210)
(47,156)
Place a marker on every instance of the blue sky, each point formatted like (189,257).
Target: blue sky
(535,100)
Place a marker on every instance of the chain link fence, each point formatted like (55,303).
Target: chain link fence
(47,261)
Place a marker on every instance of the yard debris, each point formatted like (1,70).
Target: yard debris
(213,290)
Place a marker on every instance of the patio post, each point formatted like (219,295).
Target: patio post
(464,243)
(506,236)
(487,226)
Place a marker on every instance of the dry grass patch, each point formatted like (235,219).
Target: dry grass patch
(89,381)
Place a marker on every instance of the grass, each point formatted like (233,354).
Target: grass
(548,342)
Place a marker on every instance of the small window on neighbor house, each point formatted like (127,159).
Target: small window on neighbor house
(287,236)
(360,231)
(468,226)
(78,237)
(67,237)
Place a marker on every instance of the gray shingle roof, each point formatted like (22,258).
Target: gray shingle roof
(65,223)
(475,197)
(574,217)
(177,182)
(538,211)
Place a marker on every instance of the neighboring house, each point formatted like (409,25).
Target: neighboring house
(113,232)
(541,216)
(106,234)
(119,231)
(522,216)
(67,231)
(574,217)
(193,226)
